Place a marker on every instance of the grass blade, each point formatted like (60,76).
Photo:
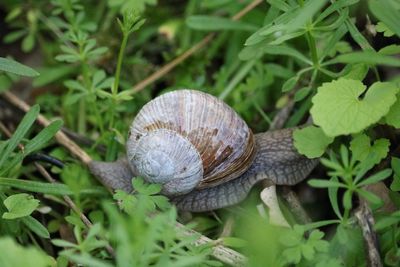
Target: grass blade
(39,187)
(20,132)
(12,66)
(211,23)
(43,137)
(367,57)
(35,226)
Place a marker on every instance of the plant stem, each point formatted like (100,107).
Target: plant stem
(119,63)
(117,77)
(311,40)
(313,47)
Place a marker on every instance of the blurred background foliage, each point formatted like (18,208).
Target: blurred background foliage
(91,54)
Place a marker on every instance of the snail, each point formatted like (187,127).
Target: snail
(202,153)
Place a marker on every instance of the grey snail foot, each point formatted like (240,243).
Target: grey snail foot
(276,160)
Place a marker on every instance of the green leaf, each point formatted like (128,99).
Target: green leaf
(280,4)
(210,23)
(392,49)
(287,51)
(234,242)
(360,146)
(395,164)
(305,14)
(338,110)
(377,177)
(53,74)
(367,57)
(332,42)
(386,221)
(308,252)
(127,201)
(12,254)
(39,187)
(43,137)
(292,255)
(87,260)
(325,183)
(19,205)
(14,67)
(35,226)
(302,93)
(381,27)
(20,132)
(335,6)
(386,13)
(393,117)
(379,150)
(161,202)
(361,149)
(357,35)
(347,199)
(333,198)
(290,240)
(63,243)
(372,198)
(395,185)
(357,72)
(311,141)
(28,42)
(290,84)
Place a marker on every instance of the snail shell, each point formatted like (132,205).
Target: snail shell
(188,139)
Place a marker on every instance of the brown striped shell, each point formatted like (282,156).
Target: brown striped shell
(187,139)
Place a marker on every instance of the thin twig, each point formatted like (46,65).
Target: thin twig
(366,222)
(295,205)
(282,116)
(225,255)
(171,65)
(228,227)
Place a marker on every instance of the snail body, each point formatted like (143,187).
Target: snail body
(202,153)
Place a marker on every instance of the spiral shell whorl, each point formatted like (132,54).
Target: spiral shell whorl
(167,158)
(222,139)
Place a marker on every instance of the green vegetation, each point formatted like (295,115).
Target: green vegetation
(333,63)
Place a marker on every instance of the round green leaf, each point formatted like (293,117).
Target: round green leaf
(311,141)
(338,109)
(20,205)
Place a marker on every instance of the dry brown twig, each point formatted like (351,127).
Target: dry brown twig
(366,221)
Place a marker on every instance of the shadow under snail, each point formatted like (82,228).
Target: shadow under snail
(202,153)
